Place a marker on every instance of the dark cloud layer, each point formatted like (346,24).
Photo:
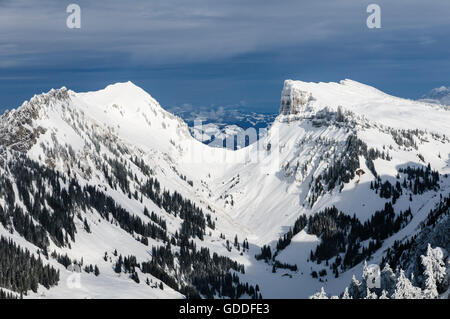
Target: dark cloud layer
(221,52)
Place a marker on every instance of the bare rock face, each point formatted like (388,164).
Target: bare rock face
(17,128)
(293,100)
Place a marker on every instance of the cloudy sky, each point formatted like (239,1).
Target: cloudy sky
(210,53)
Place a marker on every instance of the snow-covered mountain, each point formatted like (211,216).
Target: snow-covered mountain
(440,95)
(111,184)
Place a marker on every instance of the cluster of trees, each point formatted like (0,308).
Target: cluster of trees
(281,265)
(405,138)
(344,167)
(266,254)
(92,269)
(417,181)
(216,275)
(145,169)
(193,218)
(386,189)
(39,188)
(120,173)
(7,295)
(436,224)
(21,271)
(193,272)
(106,206)
(24,225)
(285,240)
(342,234)
(194,222)
(128,265)
(63,259)
(431,281)
(66,261)
(209,222)
(156,219)
(442,209)
(53,200)
(385,223)
(395,252)
(420,179)
(333,227)
(162,262)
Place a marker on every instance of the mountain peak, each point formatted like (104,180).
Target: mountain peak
(128,85)
(309,98)
(125,94)
(298,95)
(128,89)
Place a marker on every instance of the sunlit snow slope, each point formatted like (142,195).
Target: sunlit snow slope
(329,145)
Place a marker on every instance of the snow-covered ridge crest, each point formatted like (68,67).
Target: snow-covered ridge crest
(18,128)
(53,95)
(302,99)
(37,102)
(337,151)
(122,107)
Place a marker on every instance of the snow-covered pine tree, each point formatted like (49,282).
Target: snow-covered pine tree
(320,295)
(384,295)
(370,295)
(404,289)
(346,295)
(434,273)
(355,289)
(388,280)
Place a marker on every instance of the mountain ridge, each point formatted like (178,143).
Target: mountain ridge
(327,148)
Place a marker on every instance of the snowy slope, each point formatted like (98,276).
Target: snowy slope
(368,102)
(304,143)
(329,143)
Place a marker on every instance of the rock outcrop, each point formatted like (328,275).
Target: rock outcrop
(293,100)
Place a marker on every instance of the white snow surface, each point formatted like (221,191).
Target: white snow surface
(255,192)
